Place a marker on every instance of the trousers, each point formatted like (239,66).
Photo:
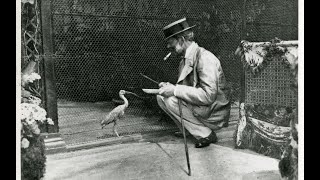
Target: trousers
(192,124)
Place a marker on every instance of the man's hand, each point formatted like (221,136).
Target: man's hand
(166,89)
(163,84)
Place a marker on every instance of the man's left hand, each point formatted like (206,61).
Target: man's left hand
(167,90)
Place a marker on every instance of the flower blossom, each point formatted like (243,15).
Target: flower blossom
(49,120)
(31,112)
(25,143)
(29,78)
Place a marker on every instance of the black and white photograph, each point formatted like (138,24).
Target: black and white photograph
(159,89)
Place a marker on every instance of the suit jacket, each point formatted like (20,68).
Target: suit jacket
(202,85)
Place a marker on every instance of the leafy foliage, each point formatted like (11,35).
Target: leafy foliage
(32,116)
(33,159)
(257,58)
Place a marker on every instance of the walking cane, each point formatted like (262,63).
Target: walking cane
(184,136)
(182,124)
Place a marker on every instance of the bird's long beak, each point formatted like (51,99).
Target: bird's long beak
(128,92)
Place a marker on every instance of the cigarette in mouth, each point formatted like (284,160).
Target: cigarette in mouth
(167,56)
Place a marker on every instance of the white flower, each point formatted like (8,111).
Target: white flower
(49,120)
(32,112)
(39,113)
(25,112)
(29,78)
(25,143)
(34,76)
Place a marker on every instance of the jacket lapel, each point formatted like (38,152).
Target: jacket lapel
(185,70)
(188,65)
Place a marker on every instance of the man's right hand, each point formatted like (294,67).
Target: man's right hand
(162,84)
(166,89)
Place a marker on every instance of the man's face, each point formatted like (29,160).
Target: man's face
(175,46)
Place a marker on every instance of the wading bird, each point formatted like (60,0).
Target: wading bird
(117,113)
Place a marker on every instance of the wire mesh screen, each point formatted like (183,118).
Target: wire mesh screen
(271,87)
(103,46)
(266,20)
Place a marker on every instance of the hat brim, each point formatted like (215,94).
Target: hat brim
(179,32)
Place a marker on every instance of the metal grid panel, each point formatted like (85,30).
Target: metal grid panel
(109,61)
(96,36)
(130,31)
(266,20)
(271,87)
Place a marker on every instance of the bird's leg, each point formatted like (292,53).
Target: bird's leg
(115,125)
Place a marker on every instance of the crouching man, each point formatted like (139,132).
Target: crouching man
(201,87)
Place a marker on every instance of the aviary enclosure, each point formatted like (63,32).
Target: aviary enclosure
(100,47)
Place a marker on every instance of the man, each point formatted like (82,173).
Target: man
(201,87)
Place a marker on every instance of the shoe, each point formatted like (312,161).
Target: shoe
(180,134)
(204,142)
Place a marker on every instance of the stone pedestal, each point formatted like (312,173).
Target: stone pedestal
(54,143)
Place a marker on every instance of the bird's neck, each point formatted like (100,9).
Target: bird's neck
(126,103)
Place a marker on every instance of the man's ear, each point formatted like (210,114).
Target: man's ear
(181,40)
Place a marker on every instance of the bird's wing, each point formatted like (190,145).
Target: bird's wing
(108,118)
(121,114)
(112,115)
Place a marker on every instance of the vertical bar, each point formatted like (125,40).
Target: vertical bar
(50,96)
(243,37)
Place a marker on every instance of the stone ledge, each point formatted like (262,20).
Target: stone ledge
(104,142)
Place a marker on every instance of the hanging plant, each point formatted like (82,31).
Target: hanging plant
(273,51)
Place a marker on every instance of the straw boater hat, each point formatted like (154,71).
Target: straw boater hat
(176,27)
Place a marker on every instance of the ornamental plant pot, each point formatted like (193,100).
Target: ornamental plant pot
(33,159)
